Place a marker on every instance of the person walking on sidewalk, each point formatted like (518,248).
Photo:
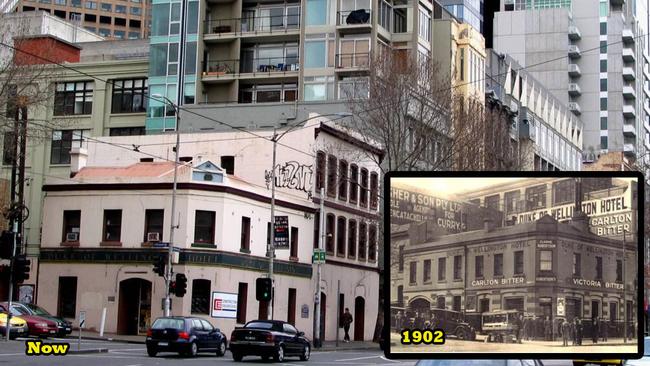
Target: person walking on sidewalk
(346,320)
(594,331)
(566,332)
(604,325)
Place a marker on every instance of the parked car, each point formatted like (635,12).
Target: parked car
(37,325)
(499,325)
(453,323)
(645,360)
(185,335)
(64,327)
(480,363)
(18,326)
(269,338)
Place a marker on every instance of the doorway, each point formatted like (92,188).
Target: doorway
(134,308)
(323,312)
(483,305)
(359,320)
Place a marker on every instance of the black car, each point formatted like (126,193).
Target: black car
(185,335)
(269,338)
(63,326)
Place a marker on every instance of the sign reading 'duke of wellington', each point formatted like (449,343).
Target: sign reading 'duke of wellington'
(597,207)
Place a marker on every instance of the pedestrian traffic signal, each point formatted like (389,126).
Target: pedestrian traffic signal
(172,287)
(159,266)
(263,288)
(181,285)
(21,268)
(6,245)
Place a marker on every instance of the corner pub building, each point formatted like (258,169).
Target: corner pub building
(544,268)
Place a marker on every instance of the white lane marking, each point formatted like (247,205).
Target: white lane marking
(12,354)
(126,349)
(389,360)
(96,355)
(136,364)
(357,358)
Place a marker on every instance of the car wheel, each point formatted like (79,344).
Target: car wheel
(221,350)
(152,351)
(461,334)
(236,357)
(306,352)
(279,354)
(194,350)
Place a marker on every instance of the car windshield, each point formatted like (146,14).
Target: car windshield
(164,323)
(646,347)
(464,362)
(18,311)
(37,310)
(259,325)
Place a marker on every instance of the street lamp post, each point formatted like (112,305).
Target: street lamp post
(172,228)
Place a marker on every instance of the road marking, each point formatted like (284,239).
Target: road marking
(357,358)
(389,360)
(136,364)
(12,354)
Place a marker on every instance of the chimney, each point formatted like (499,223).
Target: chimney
(78,159)
(579,219)
(488,224)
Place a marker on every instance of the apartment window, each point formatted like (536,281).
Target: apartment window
(242,299)
(91,5)
(129,96)
(60,2)
(75,3)
(413,272)
(352,239)
(577,264)
(293,250)
(200,296)
(153,223)
(320,170)
(291,307)
(133,35)
(442,268)
(127,131)
(316,12)
(329,233)
(603,65)
(134,23)
(245,243)
(603,87)
(536,197)
(603,142)
(374,190)
(498,264)
(427,271)
(457,267)
(340,236)
(67,299)
(103,31)
(8,148)
(136,10)
(385,14)
(331,176)
(619,270)
(545,260)
(603,123)
(316,54)
(90,18)
(71,225)
(343,180)
(363,201)
(112,225)
(462,64)
(424,29)
(603,104)
(599,268)
(603,46)
(511,201)
(107,7)
(372,243)
(519,262)
(75,98)
(363,240)
(318,88)
(478,266)
(122,23)
(603,28)
(492,202)
(400,263)
(204,227)
(563,191)
(354,183)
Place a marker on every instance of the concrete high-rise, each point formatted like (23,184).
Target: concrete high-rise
(592,58)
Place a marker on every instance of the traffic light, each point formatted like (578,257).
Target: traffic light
(180,285)
(159,266)
(21,268)
(6,244)
(263,288)
(172,287)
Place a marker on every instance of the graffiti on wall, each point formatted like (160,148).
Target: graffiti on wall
(292,175)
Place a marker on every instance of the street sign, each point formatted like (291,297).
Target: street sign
(160,245)
(281,228)
(82,319)
(318,257)
(304,311)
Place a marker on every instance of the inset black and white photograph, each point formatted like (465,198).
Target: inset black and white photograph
(544,265)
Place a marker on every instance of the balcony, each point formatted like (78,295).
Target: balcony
(629,130)
(629,149)
(574,70)
(628,35)
(628,74)
(629,111)
(574,33)
(574,51)
(628,55)
(629,93)
(574,90)
(257,68)
(354,21)
(574,107)
(350,62)
(253,26)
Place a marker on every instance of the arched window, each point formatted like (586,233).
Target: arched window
(352,238)
(340,236)
(320,171)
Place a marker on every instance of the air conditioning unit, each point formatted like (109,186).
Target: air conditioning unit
(72,237)
(153,236)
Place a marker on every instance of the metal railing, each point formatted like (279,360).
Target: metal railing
(264,65)
(267,24)
(354,17)
(350,60)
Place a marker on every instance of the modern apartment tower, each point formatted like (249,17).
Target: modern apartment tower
(592,58)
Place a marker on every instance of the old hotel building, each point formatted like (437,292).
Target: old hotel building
(544,265)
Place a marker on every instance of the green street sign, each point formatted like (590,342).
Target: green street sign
(322,256)
(318,257)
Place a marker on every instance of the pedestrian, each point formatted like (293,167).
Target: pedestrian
(533,327)
(526,328)
(573,331)
(548,329)
(594,330)
(603,329)
(540,328)
(579,330)
(517,326)
(398,321)
(346,320)
(566,332)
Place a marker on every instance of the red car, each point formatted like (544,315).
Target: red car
(37,326)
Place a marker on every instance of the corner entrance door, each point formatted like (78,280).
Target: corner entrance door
(134,308)
(359,319)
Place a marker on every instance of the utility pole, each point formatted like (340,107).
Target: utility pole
(321,239)
(271,245)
